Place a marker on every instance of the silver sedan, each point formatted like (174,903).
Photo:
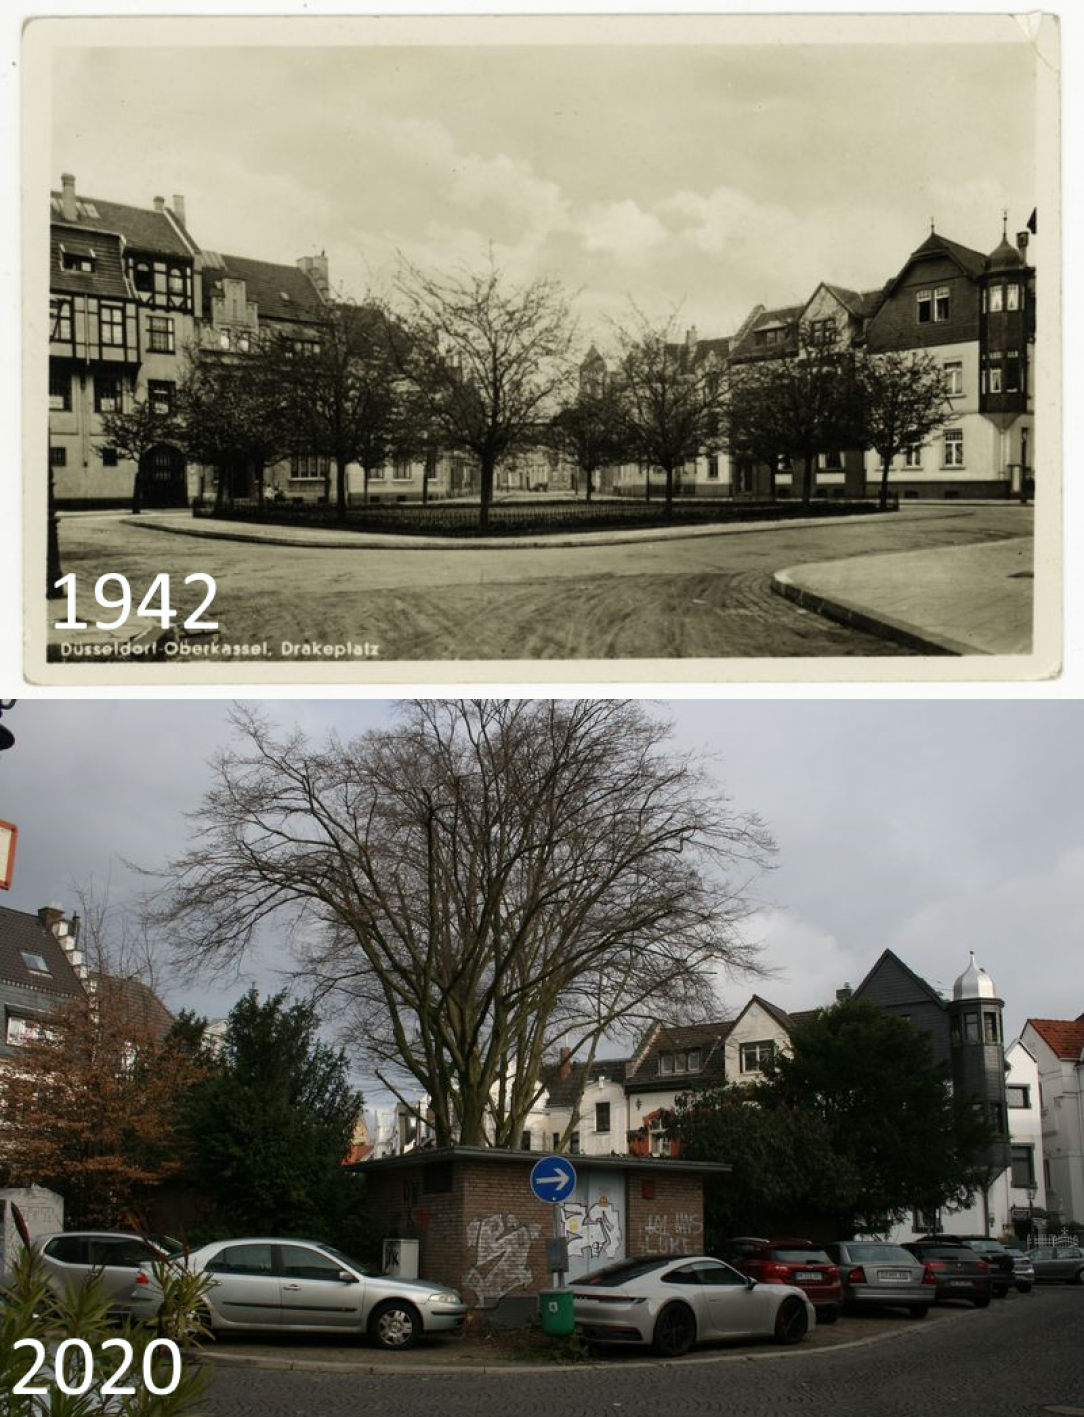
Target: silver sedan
(674,1302)
(303,1286)
(884,1275)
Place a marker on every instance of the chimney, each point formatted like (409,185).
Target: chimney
(316,268)
(843,994)
(564,1068)
(690,337)
(67,198)
(51,916)
(1022,245)
(159,204)
(178,208)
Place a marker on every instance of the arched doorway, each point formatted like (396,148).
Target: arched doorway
(162,473)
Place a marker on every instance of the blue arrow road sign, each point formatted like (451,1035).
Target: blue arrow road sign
(553,1178)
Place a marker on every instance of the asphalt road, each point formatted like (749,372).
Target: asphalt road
(1022,1357)
(695,597)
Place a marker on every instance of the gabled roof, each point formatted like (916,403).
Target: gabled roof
(888,957)
(280,292)
(102,248)
(970,263)
(136,1001)
(851,300)
(780,318)
(1064,1037)
(154,231)
(19,933)
(565,1083)
(708,1037)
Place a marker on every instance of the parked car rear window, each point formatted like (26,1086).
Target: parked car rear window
(795,1256)
(947,1252)
(621,1273)
(868,1251)
(68,1249)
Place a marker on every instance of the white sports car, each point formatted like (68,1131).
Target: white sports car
(674,1302)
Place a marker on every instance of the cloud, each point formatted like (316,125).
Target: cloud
(624,231)
(808,963)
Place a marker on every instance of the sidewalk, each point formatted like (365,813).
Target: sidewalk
(953,600)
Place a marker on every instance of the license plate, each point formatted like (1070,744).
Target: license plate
(899,1275)
(808,1276)
(960,1283)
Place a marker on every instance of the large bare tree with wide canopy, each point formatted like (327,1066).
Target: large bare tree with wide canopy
(475,884)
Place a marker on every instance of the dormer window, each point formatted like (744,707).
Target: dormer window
(78,261)
(924,307)
(682,1061)
(941,303)
(35,963)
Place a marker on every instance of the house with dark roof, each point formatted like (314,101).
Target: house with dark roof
(41,968)
(1058,1048)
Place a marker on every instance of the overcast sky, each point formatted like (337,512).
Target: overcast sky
(714,176)
(929,828)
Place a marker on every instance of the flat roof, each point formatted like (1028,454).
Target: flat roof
(582,1162)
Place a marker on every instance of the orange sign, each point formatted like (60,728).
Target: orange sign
(9,835)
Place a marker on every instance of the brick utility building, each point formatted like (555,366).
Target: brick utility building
(481,1229)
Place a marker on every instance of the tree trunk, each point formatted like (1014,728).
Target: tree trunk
(137,489)
(365,484)
(485,492)
(669,491)
(340,488)
(260,488)
(807,479)
(647,485)
(588,489)
(884,485)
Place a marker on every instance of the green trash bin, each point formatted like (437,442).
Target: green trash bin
(558,1316)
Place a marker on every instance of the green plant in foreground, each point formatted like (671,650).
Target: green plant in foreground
(28,1310)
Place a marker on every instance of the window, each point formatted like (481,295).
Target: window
(574,1143)
(58,457)
(160,334)
(1012,373)
(109,457)
(161,395)
(107,393)
(1023,1165)
(69,1249)
(21,1030)
(35,963)
(1012,297)
(971,1028)
(307,346)
(402,471)
(176,283)
(923,307)
(912,456)
(60,316)
(244,343)
(299,1262)
(990,1029)
(60,390)
(1018,1096)
(713,466)
(954,447)
(143,278)
(77,261)
(997,298)
(602,1116)
(694,1060)
(822,331)
(832,462)
(666,1062)
(993,379)
(556,1140)
(525,1141)
(111,321)
(225,339)
(954,376)
(241,1259)
(754,1056)
(307,467)
(377,474)
(941,303)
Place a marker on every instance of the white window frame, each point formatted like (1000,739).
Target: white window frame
(924,298)
(953,372)
(953,448)
(942,295)
(1012,297)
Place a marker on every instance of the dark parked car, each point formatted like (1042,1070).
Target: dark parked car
(796,1262)
(959,1272)
(1002,1271)
(1059,1262)
(884,1275)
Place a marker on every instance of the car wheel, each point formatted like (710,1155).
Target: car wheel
(1023,1286)
(918,1311)
(1000,1293)
(791,1321)
(827,1315)
(1078,1278)
(981,1301)
(394,1325)
(675,1331)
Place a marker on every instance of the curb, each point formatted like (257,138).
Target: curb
(846,613)
(443,1370)
(378,541)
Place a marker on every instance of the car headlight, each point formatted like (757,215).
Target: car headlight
(446,1298)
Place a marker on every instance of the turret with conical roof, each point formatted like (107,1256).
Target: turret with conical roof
(977,1049)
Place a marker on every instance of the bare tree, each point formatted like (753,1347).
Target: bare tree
(671,397)
(475,884)
(902,400)
(590,430)
(133,432)
(488,361)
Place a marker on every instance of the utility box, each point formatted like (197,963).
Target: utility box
(557,1256)
(42,1212)
(558,1313)
(401,1258)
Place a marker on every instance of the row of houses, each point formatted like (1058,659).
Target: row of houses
(1033,1088)
(133,294)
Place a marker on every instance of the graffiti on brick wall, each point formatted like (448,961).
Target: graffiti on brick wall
(501,1245)
(593,1231)
(672,1232)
